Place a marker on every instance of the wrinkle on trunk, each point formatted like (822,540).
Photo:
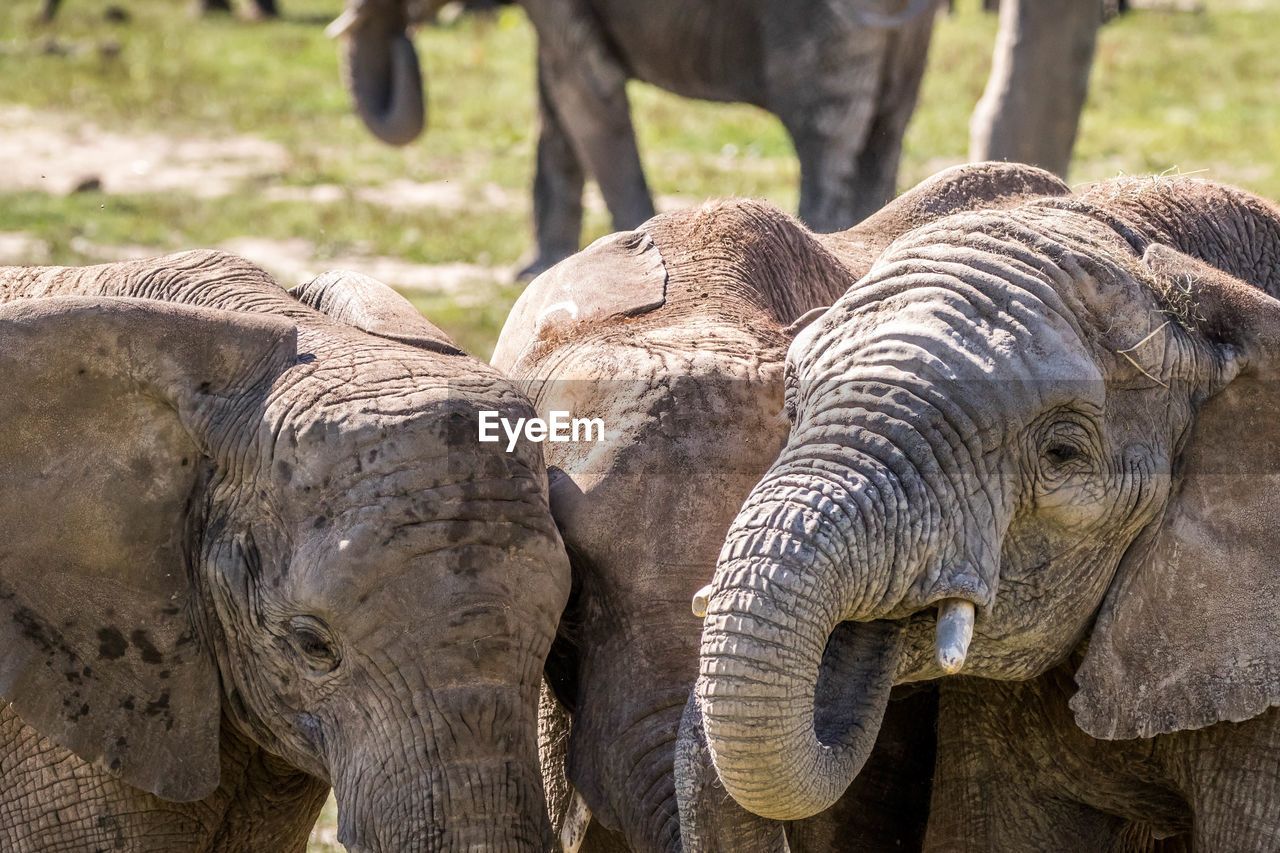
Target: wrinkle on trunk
(393,803)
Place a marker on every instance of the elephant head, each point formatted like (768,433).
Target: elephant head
(1016,423)
(680,358)
(674,336)
(380,67)
(222,505)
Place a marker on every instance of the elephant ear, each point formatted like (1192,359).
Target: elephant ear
(1187,634)
(621,275)
(369,305)
(111,410)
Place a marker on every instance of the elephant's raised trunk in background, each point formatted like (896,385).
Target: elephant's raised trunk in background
(381,69)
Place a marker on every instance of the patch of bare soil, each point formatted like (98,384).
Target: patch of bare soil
(291,262)
(53,153)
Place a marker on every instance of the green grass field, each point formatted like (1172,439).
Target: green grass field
(1172,90)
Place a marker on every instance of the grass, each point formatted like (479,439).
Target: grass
(1186,90)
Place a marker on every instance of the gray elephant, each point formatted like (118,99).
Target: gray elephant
(1030,109)
(249,550)
(842,75)
(673,335)
(1035,447)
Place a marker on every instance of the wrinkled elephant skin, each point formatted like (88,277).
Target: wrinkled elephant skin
(1034,445)
(249,550)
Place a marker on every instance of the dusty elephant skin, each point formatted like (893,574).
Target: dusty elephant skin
(250,550)
(841,75)
(674,335)
(1062,416)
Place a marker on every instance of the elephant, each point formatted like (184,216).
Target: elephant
(673,335)
(1031,460)
(1030,109)
(251,548)
(841,75)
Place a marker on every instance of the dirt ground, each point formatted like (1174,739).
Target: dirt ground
(62,155)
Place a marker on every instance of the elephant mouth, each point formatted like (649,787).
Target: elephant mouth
(859,668)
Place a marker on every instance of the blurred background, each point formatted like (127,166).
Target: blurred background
(132,128)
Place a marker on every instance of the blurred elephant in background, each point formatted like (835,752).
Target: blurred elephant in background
(257,9)
(249,550)
(1030,109)
(842,75)
(674,336)
(1036,447)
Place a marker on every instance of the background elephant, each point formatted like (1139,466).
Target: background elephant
(1030,109)
(249,551)
(674,335)
(1060,416)
(842,77)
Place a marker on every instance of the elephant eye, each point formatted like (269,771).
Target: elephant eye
(314,643)
(1060,453)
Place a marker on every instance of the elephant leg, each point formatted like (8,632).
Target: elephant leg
(49,9)
(586,86)
(557,189)
(876,177)
(204,6)
(263,9)
(829,110)
(1015,773)
(1030,110)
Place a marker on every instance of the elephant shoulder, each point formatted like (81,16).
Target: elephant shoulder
(621,275)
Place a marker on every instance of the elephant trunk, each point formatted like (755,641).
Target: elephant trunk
(791,692)
(446,787)
(622,765)
(710,821)
(380,68)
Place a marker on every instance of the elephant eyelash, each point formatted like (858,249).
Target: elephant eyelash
(1060,453)
(314,644)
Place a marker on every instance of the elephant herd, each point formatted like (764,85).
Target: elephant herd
(841,75)
(977,500)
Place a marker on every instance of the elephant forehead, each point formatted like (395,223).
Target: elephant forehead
(342,437)
(402,564)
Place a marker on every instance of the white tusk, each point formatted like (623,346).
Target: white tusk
(576,820)
(955,630)
(700,599)
(342,24)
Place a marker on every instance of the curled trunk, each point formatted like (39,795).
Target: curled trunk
(710,821)
(798,657)
(381,71)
